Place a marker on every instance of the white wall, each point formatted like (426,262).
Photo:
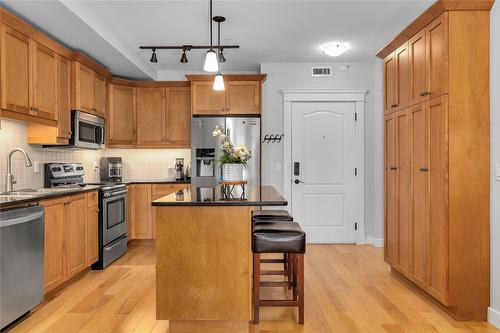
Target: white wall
(366,75)
(494,311)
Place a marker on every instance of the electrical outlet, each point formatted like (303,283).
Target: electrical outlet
(278,167)
(497,172)
(36,167)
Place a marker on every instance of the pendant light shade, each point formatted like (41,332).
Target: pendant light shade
(184,58)
(219,82)
(211,63)
(153,57)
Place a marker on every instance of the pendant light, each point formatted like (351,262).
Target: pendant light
(219,79)
(153,57)
(211,63)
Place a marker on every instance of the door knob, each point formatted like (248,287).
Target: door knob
(298,181)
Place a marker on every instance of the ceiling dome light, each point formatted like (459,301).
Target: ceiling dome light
(218,82)
(211,62)
(334,49)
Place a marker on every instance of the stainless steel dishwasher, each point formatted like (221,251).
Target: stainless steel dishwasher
(21,255)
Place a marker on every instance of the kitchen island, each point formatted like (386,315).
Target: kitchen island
(204,257)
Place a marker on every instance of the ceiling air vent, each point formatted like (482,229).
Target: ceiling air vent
(321,71)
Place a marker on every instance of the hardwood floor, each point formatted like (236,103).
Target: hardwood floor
(348,289)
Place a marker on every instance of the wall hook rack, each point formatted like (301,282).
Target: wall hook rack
(273,138)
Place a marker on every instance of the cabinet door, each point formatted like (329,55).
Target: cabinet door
(437,56)
(437,266)
(84,85)
(92,230)
(150,116)
(420,178)
(15,77)
(243,97)
(390,229)
(121,115)
(45,81)
(55,234)
(402,95)
(64,106)
(390,83)
(403,190)
(75,231)
(140,209)
(418,85)
(178,129)
(205,100)
(99,94)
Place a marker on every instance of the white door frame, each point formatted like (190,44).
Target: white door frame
(356,96)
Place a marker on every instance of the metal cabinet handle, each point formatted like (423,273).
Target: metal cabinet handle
(394,168)
(424,169)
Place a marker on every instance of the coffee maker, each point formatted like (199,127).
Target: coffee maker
(179,169)
(111,169)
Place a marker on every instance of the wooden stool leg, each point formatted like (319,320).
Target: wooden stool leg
(256,287)
(294,274)
(290,269)
(300,269)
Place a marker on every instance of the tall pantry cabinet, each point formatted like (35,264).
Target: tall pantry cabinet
(436,147)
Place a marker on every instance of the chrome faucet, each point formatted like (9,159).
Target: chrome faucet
(10,180)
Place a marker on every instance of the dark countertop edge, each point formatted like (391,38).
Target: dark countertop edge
(44,196)
(146,181)
(221,203)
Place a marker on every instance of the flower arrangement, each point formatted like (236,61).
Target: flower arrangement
(231,154)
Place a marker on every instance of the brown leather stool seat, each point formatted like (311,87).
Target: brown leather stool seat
(274,214)
(279,237)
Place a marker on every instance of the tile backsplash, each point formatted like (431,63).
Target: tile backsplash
(140,164)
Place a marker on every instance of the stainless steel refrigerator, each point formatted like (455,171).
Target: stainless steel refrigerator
(205,148)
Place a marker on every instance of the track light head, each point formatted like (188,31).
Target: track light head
(222,59)
(153,57)
(184,59)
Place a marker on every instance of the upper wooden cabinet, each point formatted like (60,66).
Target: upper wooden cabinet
(28,77)
(121,115)
(437,156)
(242,95)
(88,90)
(149,115)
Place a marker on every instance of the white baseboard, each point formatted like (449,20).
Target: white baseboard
(377,242)
(494,317)
(360,237)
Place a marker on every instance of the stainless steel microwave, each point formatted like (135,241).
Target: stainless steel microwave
(87,130)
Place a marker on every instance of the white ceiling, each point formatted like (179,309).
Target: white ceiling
(267,31)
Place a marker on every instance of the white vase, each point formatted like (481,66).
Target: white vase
(232,172)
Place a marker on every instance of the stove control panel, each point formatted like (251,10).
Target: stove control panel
(64,170)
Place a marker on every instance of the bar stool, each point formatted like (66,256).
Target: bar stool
(279,237)
(269,216)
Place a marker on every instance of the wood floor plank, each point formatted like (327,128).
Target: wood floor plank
(348,289)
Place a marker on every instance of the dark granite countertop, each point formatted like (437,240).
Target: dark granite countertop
(155,181)
(212,196)
(18,200)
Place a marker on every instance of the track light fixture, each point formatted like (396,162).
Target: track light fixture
(153,57)
(184,59)
(214,56)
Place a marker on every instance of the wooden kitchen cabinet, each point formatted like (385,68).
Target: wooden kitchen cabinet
(92,228)
(44,77)
(88,90)
(121,115)
(178,116)
(140,211)
(243,97)
(75,229)
(402,86)
(71,237)
(151,116)
(390,82)
(437,193)
(206,100)
(158,191)
(55,237)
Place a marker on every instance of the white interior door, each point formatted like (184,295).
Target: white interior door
(324,170)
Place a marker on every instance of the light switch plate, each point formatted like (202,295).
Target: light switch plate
(36,167)
(278,167)
(497,172)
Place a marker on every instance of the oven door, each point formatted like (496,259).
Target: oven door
(114,216)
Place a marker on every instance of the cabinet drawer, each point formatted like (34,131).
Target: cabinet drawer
(92,198)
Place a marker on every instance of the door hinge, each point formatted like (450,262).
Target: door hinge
(355,171)
(355,116)
(355,226)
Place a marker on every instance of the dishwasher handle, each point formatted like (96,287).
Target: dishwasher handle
(21,219)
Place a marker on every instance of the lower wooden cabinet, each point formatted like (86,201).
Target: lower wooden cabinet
(141,213)
(71,237)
